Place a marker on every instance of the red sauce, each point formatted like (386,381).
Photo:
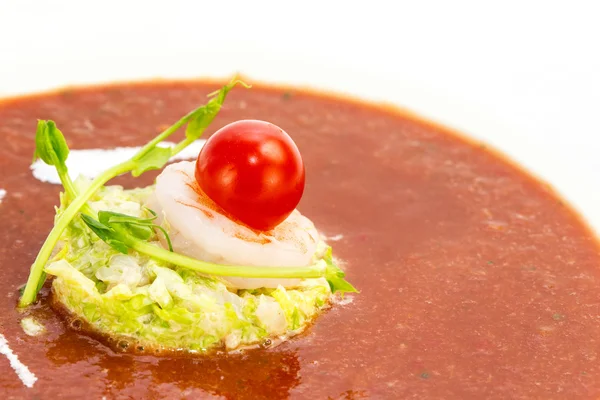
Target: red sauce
(476,280)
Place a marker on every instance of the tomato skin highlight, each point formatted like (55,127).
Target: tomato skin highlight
(254,171)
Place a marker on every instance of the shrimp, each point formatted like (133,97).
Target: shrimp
(200,229)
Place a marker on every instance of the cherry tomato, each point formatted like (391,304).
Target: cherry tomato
(253,170)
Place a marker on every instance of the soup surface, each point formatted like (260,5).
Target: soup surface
(476,280)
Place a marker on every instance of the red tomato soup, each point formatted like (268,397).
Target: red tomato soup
(476,280)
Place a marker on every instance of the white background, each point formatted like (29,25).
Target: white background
(522,75)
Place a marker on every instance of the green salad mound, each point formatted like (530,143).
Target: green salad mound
(111,271)
(149,303)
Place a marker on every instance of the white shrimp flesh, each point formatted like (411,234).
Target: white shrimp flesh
(200,229)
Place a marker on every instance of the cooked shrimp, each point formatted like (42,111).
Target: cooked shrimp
(198,228)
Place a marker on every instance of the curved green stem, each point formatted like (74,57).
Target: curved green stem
(164,135)
(70,190)
(313,271)
(66,181)
(37,268)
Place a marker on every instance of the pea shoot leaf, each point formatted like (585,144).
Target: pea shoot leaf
(115,228)
(107,234)
(126,224)
(197,121)
(50,144)
(115,217)
(155,158)
(202,117)
(335,276)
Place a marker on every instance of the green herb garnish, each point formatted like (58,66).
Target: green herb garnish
(51,147)
(111,226)
(123,232)
(54,151)
(335,276)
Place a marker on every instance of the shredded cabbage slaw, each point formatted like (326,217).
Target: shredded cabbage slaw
(149,304)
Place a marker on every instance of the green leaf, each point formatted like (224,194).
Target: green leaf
(200,120)
(110,217)
(130,226)
(155,158)
(96,226)
(108,235)
(50,144)
(51,147)
(139,231)
(139,228)
(202,117)
(335,276)
(128,219)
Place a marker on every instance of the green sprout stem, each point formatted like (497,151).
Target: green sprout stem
(313,271)
(37,268)
(125,232)
(66,181)
(69,187)
(164,135)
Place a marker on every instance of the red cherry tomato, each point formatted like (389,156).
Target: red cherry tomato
(252,170)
